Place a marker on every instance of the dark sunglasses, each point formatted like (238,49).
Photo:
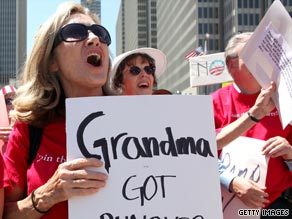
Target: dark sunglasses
(78,32)
(149,69)
(8,101)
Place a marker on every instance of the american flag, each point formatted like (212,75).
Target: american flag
(7,89)
(196,52)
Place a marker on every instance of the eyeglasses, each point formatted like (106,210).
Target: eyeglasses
(77,32)
(149,69)
(8,101)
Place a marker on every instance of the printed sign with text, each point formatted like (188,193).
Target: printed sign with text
(268,54)
(243,157)
(159,153)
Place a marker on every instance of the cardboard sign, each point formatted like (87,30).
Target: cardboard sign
(208,69)
(243,157)
(159,152)
(268,54)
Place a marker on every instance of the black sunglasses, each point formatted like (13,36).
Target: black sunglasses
(77,32)
(149,69)
(8,101)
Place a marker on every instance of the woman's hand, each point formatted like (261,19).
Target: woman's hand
(72,178)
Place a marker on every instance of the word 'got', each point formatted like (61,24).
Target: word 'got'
(143,192)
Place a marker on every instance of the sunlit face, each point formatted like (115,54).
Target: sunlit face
(140,84)
(241,75)
(82,66)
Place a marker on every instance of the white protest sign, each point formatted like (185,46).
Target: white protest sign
(208,69)
(159,152)
(268,55)
(243,157)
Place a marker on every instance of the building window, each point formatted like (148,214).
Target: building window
(211,44)
(257,19)
(239,3)
(201,28)
(245,19)
(251,19)
(201,42)
(239,19)
(245,4)
(205,12)
(216,29)
(210,31)
(200,12)
(210,12)
(206,28)
(216,45)
(216,12)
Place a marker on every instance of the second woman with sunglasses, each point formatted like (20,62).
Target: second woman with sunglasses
(69,58)
(135,72)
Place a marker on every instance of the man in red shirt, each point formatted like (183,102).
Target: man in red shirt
(240,110)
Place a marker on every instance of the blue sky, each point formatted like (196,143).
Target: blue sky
(39,11)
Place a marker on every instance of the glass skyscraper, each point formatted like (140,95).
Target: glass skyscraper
(12,39)
(93,5)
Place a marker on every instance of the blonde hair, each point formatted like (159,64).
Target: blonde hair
(40,97)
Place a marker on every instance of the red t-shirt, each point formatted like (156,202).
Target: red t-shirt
(51,153)
(4,180)
(229,105)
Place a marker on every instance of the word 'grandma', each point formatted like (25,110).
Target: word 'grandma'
(145,147)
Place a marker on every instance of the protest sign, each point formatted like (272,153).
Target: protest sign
(243,157)
(268,54)
(208,69)
(159,153)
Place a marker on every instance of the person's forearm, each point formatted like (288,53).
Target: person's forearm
(28,208)
(233,130)
(20,209)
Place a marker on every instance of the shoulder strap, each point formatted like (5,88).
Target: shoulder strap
(35,138)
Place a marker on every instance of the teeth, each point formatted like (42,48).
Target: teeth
(94,59)
(144,84)
(96,55)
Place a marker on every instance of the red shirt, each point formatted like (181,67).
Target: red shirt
(4,180)
(51,153)
(229,105)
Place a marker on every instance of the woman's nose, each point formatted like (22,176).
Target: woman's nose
(92,39)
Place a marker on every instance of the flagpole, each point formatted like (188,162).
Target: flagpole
(207,36)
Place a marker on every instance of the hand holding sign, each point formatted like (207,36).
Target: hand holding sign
(243,157)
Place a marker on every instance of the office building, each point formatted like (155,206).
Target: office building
(93,5)
(136,25)
(183,26)
(12,39)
